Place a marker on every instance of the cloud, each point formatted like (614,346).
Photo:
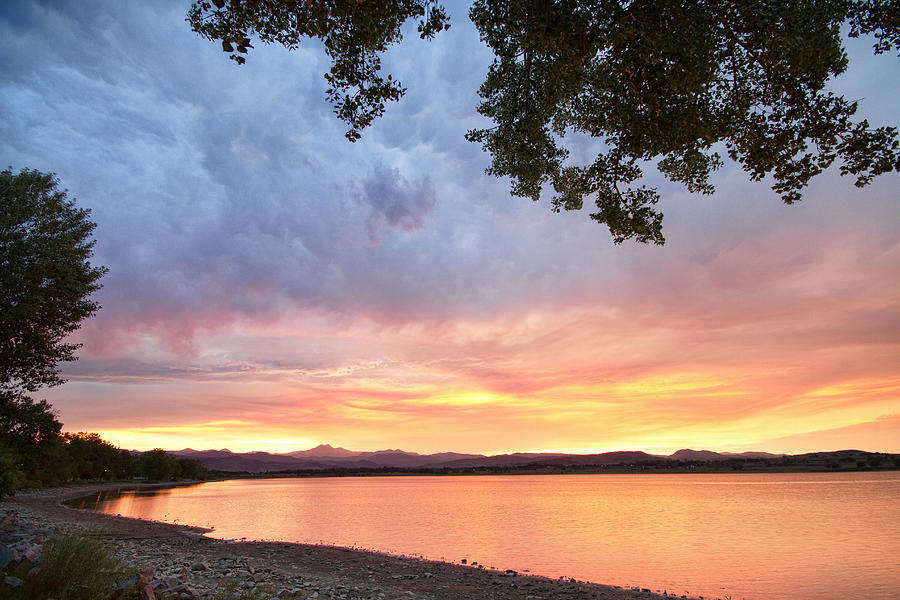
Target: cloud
(395,202)
(251,246)
(880,435)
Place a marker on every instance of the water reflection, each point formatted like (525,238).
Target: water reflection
(128,499)
(764,536)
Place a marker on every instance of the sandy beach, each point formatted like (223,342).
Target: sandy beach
(189,565)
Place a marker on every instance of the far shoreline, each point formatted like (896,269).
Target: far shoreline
(614,470)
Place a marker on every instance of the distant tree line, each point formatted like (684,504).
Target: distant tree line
(159,465)
(849,460)
(35,453)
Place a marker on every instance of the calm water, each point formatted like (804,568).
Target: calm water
(770,536)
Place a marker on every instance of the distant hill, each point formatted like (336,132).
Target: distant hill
(499,460)
(324,451)
(320,457)
(606,458)
(328,457)
(703,455)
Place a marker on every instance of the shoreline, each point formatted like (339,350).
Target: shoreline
(291,570)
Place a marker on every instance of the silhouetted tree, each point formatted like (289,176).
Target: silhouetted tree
(30,439)
(159,465)
(355,34)
(666,82)
(45,279)
(92,457)
(191,468)
(11,476)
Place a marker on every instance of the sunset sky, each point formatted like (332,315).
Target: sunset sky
(272,286)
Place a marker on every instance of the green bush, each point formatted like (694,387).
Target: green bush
(11,477)
(73,568)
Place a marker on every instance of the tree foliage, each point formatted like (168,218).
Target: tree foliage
(45,279)
(355,34)
(670,83)
(159,465)
(34,453)
(31,447)
(93,458)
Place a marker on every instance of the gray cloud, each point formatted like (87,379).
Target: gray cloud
(226,193)
(395,202)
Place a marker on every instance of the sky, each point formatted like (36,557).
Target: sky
(273,286)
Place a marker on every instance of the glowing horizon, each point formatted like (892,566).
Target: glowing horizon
(124,438)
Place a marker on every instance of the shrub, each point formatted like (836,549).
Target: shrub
(73,568)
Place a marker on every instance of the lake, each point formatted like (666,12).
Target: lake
(747,536)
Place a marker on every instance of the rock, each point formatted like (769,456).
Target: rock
(145,588)
(128,582)
(6,555)
(12,581)
(147,594)
(189,593)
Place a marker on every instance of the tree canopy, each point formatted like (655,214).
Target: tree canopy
(354,34)
(670,83)
(46,278)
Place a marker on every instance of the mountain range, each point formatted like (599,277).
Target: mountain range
(328,457)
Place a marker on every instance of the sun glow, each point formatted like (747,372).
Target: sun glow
(657,414)
(237,436)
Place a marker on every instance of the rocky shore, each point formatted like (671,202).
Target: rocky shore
(178,562)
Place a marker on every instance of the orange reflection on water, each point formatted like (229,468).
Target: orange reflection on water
(772,536)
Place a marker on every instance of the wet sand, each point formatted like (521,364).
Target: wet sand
(182,555)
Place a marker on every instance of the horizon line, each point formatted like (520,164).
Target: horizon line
(509,453)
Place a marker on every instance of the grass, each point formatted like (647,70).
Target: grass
(83,568)
(70,568)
